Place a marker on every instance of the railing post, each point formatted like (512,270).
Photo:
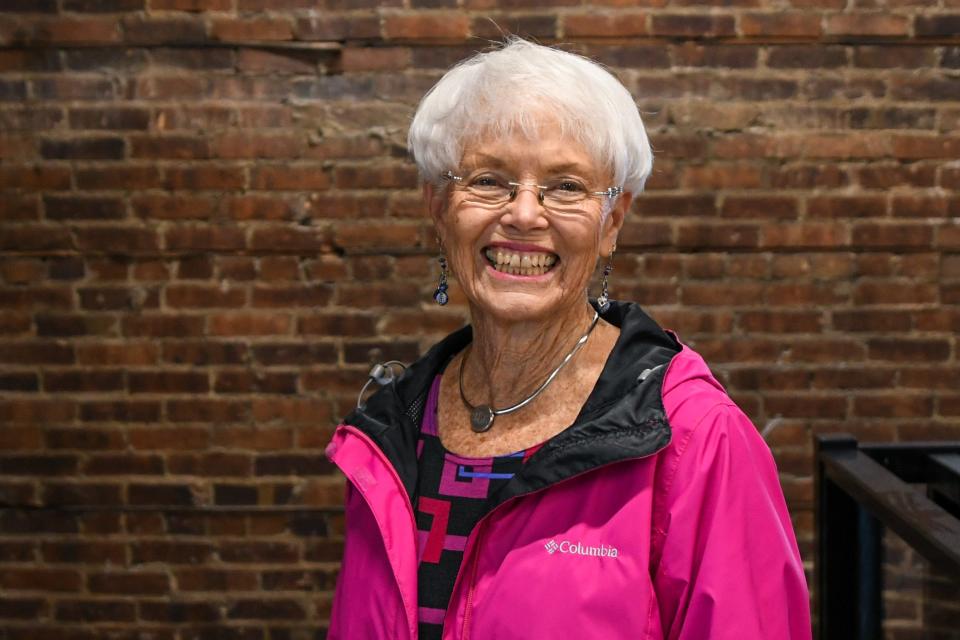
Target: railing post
(847,566)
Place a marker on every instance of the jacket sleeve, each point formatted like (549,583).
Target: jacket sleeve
(725,559)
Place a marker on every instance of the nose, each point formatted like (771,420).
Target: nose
(525,210)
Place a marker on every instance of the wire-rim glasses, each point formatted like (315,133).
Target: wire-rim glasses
(494,189)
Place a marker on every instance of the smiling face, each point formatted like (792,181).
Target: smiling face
(521,261)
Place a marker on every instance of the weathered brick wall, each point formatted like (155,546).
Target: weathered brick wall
(210,229)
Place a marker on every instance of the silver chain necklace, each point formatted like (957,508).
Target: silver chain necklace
(482,415)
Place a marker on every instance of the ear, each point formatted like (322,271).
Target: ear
(614,222)
(436,205)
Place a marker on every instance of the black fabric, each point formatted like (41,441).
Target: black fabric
(623,418)
(435,580)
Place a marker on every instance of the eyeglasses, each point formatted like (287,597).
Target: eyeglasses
(495,190)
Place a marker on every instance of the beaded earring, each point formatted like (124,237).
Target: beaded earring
(603,300)
(440,295)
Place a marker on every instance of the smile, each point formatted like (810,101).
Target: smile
(520,263)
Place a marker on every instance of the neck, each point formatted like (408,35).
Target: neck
(508,360)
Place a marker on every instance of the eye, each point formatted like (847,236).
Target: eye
(568,187)
(486,181)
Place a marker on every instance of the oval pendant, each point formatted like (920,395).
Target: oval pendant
(481,418)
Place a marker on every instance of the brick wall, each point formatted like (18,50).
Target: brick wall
(210,229)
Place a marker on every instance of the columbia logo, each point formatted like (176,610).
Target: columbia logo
(580,549)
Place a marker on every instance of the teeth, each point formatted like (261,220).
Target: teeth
(526,264)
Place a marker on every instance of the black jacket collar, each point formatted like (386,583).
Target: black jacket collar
(623,417)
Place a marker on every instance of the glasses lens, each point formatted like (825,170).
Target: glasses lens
(564,193)
(489,188)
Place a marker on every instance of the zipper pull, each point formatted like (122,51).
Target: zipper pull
(383,374)
(646,373)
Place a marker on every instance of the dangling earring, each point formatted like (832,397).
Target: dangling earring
(603,300)
(440,295)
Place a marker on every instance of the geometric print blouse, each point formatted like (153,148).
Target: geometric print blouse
(452,492)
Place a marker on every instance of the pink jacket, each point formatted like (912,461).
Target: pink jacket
(657,514)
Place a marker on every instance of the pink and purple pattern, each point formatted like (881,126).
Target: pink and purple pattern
(452,496)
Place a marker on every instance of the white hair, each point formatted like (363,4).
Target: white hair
(510,88)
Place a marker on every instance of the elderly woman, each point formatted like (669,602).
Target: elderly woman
(562,467)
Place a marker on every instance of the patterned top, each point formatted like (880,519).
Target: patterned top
(452,492)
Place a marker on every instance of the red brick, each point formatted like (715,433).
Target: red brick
(909,350)
(204,177)
(237,324)
(292,296)
(205,238)
(120,411)
(289,178)
(353,59)
(106,148)
(103,6)
(191,5)
(204,297)
(937,26)
(807,406)
(113,239)
(252,29)
(246,145)
(949,406)
(146,29)
(916,147)
(697,26)
(853,378)
(163,438)
(699,236)
(123,464)
(173,207)
(40,579)
(89,611)
(795,24)
(867,24)
(893,406)
(168,382)
(759,207)
(291,239)
(23,608)
(872,320)
(16,207)
(253,438)
(204,353)
(128,582)
(425,26)
(168,147)
(212,411)
(337,27)
(77,31)
(780,321)
(125,353)
(88,381)
(34,178)
(605,24)
(892,235)
(84,438)
(847,207)
(893,292)
(805,235)
(118,178)
(259,207)
(215,580)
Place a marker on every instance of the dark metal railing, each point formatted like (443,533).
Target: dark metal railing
(861,489)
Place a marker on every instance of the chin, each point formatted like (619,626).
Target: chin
(521,306)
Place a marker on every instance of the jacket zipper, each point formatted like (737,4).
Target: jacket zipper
(474,548)
(356,432)
(472,586)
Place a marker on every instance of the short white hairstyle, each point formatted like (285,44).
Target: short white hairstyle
(499,92)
